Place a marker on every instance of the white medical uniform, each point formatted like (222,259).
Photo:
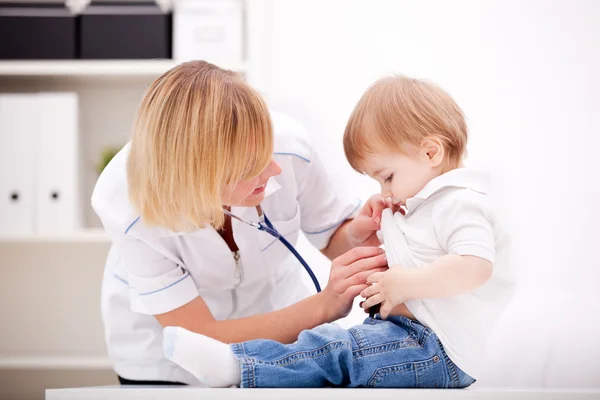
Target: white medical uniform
(152,270)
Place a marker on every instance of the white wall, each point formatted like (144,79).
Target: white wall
(526,75)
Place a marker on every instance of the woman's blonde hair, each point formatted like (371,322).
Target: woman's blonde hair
(397,110)
(199,128)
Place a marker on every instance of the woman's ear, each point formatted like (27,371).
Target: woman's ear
(432,151)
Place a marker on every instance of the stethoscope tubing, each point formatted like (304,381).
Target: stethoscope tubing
(270,229)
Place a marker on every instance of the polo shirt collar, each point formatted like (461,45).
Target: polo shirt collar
(467,178)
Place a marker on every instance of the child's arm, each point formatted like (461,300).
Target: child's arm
(448,276)
(464,227)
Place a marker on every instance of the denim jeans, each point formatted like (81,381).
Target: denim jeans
(393,353)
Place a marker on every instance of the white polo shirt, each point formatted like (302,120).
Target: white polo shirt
(454,215)
(152,270)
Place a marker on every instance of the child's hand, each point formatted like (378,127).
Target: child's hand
(362,229)
(386,288)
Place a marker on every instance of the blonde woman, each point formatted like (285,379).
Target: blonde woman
(449,280)
(204,142)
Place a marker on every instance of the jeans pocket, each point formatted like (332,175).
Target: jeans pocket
(428,373)
(431,374)
(393,376)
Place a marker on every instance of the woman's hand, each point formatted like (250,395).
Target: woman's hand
(362,230)
(348,277)
(386,289)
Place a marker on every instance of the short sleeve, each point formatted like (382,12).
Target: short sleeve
(463,225)
(323,205)
(156,284)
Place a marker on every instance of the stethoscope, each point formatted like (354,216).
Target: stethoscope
(270,229)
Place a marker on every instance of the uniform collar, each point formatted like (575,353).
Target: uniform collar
(466,178)
(272,186)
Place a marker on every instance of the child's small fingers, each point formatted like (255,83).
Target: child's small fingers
(373,300)
(386,309)
(370,291)
(374,277)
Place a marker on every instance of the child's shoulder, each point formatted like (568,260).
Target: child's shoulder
(453,200)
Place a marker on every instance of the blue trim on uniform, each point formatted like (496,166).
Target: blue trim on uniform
(337,224)
(293,154)
(121,279)
(132,224)
(165,288)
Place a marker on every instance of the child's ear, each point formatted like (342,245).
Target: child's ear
(432,151)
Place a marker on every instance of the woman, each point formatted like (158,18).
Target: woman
(204,142)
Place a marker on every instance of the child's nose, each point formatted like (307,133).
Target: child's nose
(385,192)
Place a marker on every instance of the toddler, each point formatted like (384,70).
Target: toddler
(449,277)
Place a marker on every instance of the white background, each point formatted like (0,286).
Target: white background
(526,73)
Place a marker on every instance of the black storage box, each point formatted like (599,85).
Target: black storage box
(37,31)
(110,30)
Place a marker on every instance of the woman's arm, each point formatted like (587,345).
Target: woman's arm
(283,325)
(347,279)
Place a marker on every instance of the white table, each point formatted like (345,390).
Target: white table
(195,393)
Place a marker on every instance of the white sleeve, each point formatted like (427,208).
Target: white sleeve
(157,284)
(323,205)
(463,225)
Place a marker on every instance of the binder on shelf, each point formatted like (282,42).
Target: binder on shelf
(58,207)
(124,30)
(18,127)
(210,30)
(37,31)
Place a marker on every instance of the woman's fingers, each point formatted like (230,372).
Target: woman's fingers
(357,253)
(372,301)
(361,277)
(365,265)
(355,290)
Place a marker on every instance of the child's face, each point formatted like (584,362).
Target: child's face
(401,176)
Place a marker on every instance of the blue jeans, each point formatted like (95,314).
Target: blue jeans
(392,353)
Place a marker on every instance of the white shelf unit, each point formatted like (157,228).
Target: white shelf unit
(90,235)
(103,69)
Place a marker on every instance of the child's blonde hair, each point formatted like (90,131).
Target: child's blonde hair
(198,129)
(398,110)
